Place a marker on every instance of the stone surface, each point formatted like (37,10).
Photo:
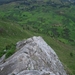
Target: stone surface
(2,59)
(33,57)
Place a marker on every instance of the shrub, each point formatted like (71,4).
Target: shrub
(71,54)
(11,50)
(8,47)
(9,53)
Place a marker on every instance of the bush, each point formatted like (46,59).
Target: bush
(9,53)
(8,47)
(71,54)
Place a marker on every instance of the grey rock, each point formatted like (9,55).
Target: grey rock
(33,57)
(2,59)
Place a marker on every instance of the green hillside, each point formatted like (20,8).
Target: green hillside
(53,20)
(10,33)
(43,17)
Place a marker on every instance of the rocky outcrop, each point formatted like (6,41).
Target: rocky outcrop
(33,57)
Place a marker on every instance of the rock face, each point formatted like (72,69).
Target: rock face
(33,57)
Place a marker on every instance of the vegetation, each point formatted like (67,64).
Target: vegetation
(71,54)
(10,33)
(53,20)
(10,50)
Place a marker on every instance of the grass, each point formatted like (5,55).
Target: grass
(10,33)
(44,19)
(10,49)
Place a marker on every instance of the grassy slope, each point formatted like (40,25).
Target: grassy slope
(10,33)
(51,20)
(63,51)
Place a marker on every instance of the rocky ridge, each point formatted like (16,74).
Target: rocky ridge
(33,57)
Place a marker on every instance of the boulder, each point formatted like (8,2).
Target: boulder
(33,57)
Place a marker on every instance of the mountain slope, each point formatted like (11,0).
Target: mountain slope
(54,1)
(54,19)
(10,33)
